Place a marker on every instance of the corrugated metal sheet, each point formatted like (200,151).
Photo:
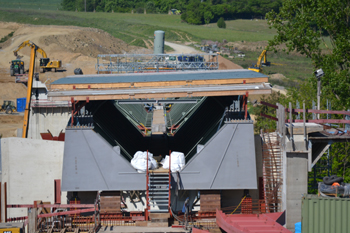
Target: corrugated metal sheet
(325,215)
(156,77)
(180,111)
(136,113)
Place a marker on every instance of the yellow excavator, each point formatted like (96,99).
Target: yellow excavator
(45,63)
(262,61)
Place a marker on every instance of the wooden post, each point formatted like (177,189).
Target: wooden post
(5,200)
(32,219)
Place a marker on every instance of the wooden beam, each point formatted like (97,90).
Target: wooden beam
(163,95)
(66,213)
(155,84)
(32,219)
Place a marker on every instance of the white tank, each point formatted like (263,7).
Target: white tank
(159,42)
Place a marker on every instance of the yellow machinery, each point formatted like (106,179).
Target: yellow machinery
(262,61)
(34,48)
(45,63)
(11,227)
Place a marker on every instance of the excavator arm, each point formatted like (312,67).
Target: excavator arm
(42,52)
(261,57)
(34,49)
(262,61)
(29,44)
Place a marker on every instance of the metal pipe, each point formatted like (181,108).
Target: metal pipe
(169,200)
(304,125)
(291,125)
(147,188)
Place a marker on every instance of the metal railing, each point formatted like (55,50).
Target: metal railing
(115,63)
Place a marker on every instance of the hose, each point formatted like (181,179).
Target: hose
(238,205)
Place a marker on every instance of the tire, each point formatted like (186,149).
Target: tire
(53,70)
(12,72)
(78,71)
(8,111)
(330,180)
(21,71)
(41,70)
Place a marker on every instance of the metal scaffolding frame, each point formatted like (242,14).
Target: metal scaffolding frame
(131,63)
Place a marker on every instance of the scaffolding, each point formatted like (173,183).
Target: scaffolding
(139,63)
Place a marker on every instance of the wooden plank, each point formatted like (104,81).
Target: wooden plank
(162,95)
(156,84)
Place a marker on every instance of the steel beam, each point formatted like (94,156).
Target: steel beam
(168,101)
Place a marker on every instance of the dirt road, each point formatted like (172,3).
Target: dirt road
(181,48)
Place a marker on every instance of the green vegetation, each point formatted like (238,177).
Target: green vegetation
(130,26)
(194,11)
(31,4)
(6,37)
(138,42)
(302,26)
(294,67)
(308,27)
(221,23)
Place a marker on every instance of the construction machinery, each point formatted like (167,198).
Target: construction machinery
(45,63)
(34,48)
(8,107)
(17,67)
(262,61)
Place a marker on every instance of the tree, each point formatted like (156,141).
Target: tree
(208,16)
(302,25)
(221,23)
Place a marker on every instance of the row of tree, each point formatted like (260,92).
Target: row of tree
(193,11)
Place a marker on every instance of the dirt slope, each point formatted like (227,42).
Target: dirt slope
(225,64)
(75,46)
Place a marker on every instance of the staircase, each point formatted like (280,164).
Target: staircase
(158,198)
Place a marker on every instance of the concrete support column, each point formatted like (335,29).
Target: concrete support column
(296,186)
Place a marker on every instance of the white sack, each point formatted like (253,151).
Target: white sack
(177,161)
(139,162)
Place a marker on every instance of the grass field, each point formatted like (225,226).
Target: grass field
(129,26)
(294,67)
(133,28)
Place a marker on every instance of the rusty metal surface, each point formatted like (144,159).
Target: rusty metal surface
(263,223)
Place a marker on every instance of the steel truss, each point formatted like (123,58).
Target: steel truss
(131,63)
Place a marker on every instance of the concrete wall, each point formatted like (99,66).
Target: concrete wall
(297,178)
(43,119)
(30,167)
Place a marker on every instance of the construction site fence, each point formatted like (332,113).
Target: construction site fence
(66,223)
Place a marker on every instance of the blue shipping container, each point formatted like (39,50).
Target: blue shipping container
(21,104)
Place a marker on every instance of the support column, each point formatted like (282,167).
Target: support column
(297,178)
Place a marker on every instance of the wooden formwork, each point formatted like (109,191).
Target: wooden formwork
(110,202)
(210,201)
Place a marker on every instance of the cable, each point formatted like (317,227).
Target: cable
(238,204)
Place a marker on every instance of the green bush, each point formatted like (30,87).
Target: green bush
(221,23)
